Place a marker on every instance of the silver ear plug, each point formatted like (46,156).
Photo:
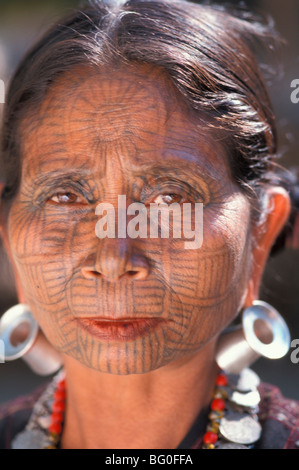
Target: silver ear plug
(21,337)
(263,332)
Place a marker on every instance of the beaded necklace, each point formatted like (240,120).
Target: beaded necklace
(57,415)
(233,421)
(233,418)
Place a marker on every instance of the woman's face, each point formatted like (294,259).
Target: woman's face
(125,305)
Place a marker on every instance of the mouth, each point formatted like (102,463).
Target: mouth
(127,329)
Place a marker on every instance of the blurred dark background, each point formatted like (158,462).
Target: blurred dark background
(22,22)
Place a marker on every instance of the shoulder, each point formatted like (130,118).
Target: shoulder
(14,416)
(279,417)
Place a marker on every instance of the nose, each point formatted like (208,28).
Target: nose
(114,260)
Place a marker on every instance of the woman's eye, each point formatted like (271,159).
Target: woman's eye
(65,198)
(168,199)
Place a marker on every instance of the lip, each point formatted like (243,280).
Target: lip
(126,329)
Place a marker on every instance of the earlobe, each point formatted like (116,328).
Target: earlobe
(264,236)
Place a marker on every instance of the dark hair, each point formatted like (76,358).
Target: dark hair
(208,53)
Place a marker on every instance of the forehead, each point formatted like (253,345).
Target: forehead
(135,109)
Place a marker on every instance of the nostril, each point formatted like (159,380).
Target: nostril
(90,274)
(133,274)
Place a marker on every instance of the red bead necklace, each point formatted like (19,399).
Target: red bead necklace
(217,408)
(57,415)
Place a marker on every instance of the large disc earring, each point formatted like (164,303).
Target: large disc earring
(263,332)
(21,337)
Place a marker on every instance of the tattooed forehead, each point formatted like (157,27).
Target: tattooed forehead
(134,116)
(108,98)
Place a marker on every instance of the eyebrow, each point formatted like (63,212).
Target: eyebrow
(171,168)
(189,169)
(71,175)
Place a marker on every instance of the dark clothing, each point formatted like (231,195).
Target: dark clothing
(280,420)
(15,415)
(278,416)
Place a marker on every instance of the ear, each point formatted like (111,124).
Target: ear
(264,236)
(4,237)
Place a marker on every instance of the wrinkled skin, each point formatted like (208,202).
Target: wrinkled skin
(128,132)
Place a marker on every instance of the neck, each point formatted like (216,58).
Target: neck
(152,410)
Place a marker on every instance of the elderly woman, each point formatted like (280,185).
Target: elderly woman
(161,102)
